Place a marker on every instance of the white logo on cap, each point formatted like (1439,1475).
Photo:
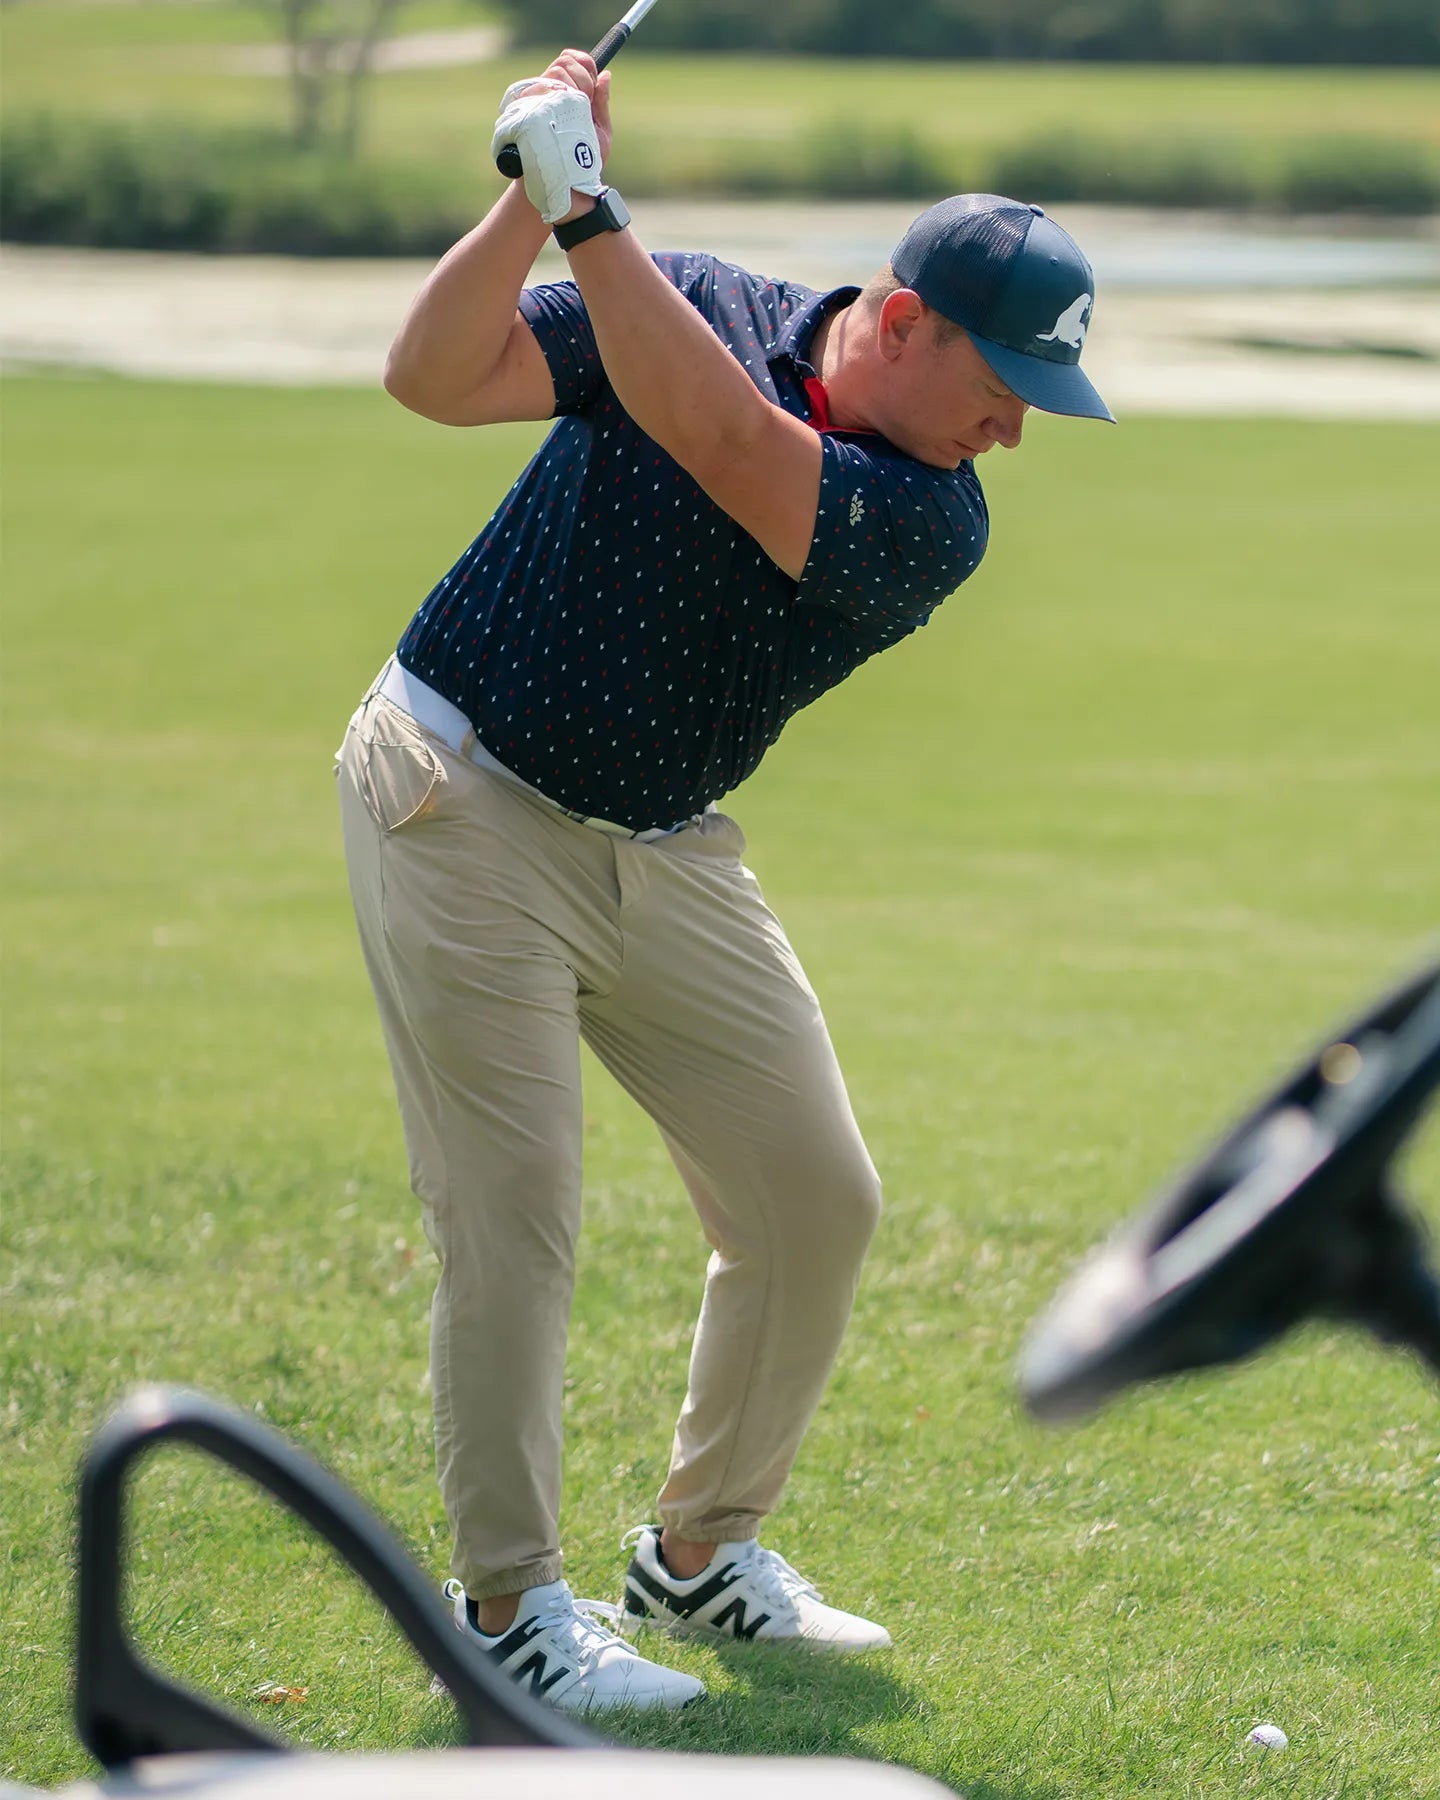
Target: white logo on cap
(1069,328)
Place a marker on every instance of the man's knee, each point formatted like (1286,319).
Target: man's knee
(862,1204)
(845,1211)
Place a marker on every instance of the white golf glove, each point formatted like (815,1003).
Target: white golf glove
(554,130)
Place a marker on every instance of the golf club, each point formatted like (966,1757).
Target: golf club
(508,160)
(1294,1213)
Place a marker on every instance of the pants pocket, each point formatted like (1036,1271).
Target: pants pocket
(400,777)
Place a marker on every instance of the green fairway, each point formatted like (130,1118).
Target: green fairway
(1077,869)
(681,114)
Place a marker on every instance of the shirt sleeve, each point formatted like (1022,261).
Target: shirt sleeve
(557,316)
(892,536)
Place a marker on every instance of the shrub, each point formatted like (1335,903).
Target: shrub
(843,161)
(1133,172)
(164,187)
(1357,174)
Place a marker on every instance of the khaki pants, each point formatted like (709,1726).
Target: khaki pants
(497,933)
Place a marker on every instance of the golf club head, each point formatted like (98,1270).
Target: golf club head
(1293,1214)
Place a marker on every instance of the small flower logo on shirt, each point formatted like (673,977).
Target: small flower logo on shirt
(857,509)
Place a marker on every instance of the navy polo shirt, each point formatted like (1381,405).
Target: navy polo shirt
(621,643)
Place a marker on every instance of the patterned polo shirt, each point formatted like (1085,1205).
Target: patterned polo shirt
(622,644)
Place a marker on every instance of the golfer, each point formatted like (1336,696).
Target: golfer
(750,488)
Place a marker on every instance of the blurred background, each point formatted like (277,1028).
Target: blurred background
(1272,171)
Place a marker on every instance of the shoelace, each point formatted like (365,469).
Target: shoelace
(580,1628)
(577,1624)
(770,1565)
(778,1576)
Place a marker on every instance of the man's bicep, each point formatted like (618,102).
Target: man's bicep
(771,487)
(519,388)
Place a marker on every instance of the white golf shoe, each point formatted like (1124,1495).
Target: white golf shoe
(743,1592)
(560,1649)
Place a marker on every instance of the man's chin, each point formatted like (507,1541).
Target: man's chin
(935,458)
(950,456)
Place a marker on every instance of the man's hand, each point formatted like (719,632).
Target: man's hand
(577,67)
(560,124)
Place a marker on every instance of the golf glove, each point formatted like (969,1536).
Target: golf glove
(554,130)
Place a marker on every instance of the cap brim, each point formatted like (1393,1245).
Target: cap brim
(1048,386)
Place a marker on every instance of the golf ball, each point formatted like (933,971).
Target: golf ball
(1269,1737)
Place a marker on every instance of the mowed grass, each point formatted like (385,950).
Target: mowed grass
(680,112)
(1077,869)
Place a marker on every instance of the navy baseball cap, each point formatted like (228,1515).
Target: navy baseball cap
(1019,287)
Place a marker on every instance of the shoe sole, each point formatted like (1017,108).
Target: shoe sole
(592,1707)
(441,1692)
(632,1624)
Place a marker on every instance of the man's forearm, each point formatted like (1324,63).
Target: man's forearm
(456,330)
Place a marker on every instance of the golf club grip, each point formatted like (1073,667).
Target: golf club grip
(508,161)
(609,44)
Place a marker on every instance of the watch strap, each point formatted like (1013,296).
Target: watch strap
(609,213)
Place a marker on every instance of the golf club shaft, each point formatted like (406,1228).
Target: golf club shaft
(508,161)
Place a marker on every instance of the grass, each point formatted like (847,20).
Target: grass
(689,113)
(1150,804)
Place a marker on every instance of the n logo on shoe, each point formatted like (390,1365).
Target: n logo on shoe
(536,1666)
(734,1615)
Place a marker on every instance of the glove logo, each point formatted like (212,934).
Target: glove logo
(585,156)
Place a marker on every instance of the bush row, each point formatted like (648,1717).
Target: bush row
(1338,174)
(130,187)
(169,188)
(1395,32)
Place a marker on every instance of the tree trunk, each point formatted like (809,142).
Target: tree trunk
(330,65)
(357,76)
(309,56)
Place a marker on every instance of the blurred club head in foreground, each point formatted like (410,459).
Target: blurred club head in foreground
(1294,1214)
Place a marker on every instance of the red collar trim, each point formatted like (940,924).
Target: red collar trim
(819,403)
(820,411)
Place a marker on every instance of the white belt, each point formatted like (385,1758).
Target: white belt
(444,720)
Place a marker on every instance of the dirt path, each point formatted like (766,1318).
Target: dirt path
(413,50)
(1323,353)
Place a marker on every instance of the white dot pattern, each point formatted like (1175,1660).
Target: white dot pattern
(619,641)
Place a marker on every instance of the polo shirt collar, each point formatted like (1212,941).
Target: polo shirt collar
(798,332)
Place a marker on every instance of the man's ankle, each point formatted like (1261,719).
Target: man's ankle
(494,1614)
(683,1558)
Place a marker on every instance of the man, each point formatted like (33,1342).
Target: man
(751,488)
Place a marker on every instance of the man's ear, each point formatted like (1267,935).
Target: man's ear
(900,313)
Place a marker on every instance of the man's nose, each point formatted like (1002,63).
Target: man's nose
(1008,423)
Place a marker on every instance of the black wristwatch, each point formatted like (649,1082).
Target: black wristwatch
(610,213)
